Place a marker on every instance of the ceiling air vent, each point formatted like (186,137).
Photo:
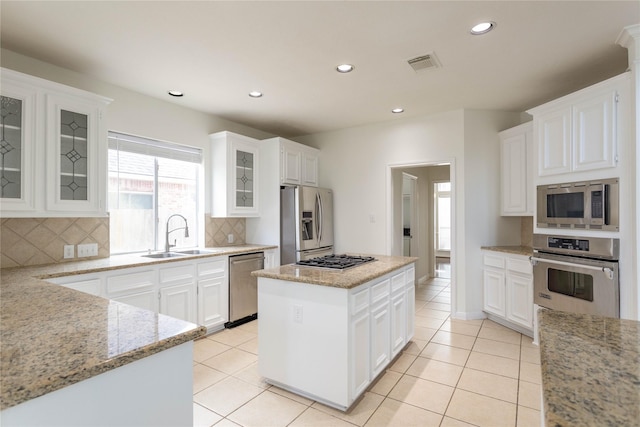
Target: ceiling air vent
(424,62)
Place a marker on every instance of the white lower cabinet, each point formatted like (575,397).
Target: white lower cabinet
(508,290)
(135,286)
(195,290)
(213,292)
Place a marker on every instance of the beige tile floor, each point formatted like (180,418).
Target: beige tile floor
(453,373)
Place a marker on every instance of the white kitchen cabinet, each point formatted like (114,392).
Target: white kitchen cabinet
(87,283)
(298,162)
(360,333)
(195,290)
(179,301)
(235,164)
(55,165)
(398,307)
(177,284)
(213,292)
(578,132)
(516,153)
(508,290)
(380,327)
(271,258)
(135,286)
(18,154)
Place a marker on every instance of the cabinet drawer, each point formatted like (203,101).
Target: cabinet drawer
(494,260)
(132,281)
(172,274)
(208,268)
(397,282)
(519,265)
(379,291)
(359,301)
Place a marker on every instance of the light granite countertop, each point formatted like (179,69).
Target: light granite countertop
(590,369)
(347,279)
(516,250)
(52,336)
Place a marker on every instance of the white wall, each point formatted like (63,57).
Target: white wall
(356,163)
(135,113)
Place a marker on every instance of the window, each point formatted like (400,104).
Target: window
(442,196)
(149,181)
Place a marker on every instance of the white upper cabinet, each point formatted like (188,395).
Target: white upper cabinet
(235,164)
(299,164)
(54,147)
(516,152)
(579,132)
(17,145)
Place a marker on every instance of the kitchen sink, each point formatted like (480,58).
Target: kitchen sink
(164,255)
(198,252)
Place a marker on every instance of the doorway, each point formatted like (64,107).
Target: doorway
(422,228)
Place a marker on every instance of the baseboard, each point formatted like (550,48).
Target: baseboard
(473,315)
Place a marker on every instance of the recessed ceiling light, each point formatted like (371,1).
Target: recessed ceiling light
(345,68)
(255,94)
(175,93)
(482,28)
(397,110)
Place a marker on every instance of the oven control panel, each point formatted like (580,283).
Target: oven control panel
(568,243)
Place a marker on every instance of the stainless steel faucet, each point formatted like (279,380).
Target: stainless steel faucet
(167,246)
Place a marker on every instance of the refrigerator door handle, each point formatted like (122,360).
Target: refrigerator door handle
(319,216)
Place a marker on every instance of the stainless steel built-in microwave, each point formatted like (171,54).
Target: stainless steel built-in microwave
(590,205)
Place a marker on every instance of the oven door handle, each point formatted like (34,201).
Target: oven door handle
(608,271)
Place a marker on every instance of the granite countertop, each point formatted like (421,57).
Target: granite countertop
(516,250)
(590,369)
(52,336)
(347,279)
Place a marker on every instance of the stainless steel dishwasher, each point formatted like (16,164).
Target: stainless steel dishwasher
(243,288)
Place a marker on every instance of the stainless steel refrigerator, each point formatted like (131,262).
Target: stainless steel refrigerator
(306,223)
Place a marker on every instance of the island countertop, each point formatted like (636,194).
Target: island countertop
(590,369)
(347,279)
(52,336)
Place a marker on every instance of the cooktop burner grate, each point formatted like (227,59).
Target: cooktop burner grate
(338,262)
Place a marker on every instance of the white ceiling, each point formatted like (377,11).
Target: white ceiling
(216,52)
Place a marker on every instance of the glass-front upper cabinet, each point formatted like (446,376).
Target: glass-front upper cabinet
(17,103)
(234,165)
(53,148)
(76,143)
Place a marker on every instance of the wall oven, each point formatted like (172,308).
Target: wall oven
(578,275)
(583,205)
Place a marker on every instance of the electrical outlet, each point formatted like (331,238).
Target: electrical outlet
(230,238)
(297,314)
(68,251)
(88,249)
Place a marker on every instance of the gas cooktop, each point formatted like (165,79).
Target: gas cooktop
(338,262)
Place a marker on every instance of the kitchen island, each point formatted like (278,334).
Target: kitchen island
(326,334)
(590,369)
(73,359)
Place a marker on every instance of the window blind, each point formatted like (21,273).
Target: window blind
(152,147)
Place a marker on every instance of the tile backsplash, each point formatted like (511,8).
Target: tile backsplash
(526,231)
(35,241)
(217,230)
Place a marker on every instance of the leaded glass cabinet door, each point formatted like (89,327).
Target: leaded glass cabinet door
(17,130)
(244,178)
(76,149)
